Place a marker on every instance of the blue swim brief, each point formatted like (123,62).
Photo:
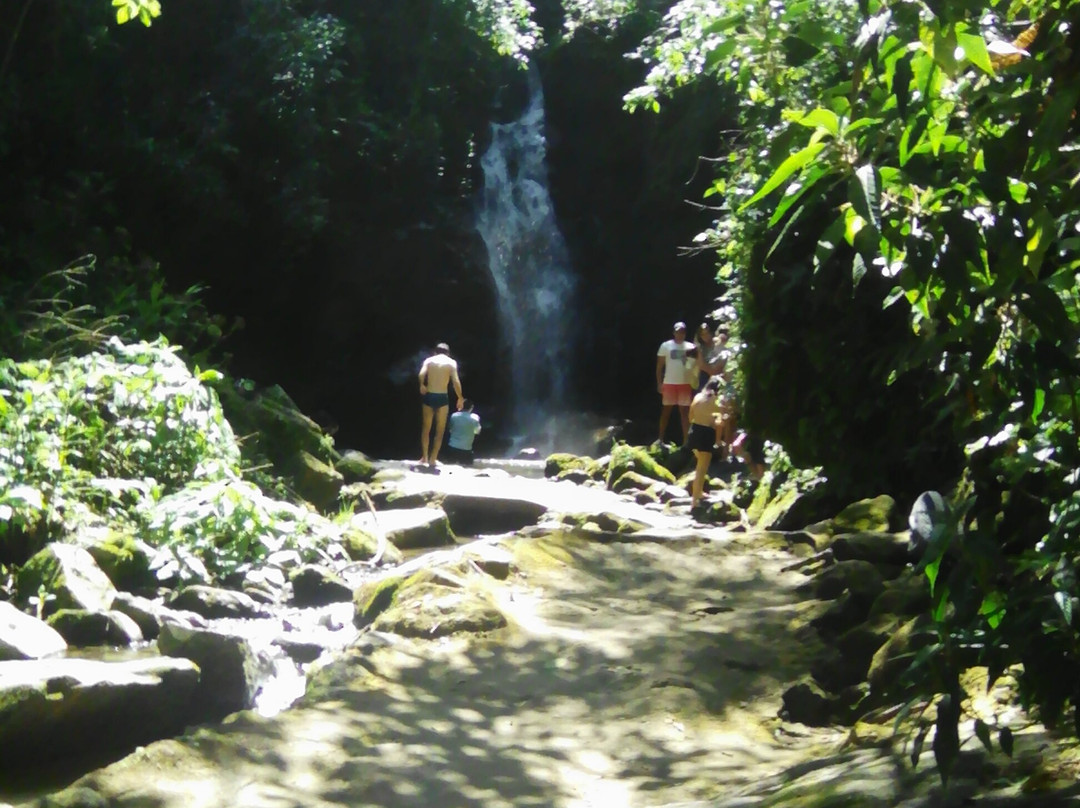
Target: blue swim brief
(436,400)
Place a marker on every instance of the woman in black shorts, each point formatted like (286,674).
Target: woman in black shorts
(705,416)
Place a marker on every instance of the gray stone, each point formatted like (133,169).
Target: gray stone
(316,481)
(212,602)
(316,586)
(408,529)
(228,664)
(149,615)
(23,636)
(876,547)
(477,515)
(58,710)
(70,575)
(82,628)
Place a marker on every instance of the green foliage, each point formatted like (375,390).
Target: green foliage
(143,10)
(918,197)
(228,525)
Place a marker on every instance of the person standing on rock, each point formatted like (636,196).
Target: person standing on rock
(673,379)
(437,373)
(705,415)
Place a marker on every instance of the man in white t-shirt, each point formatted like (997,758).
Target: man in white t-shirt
(673,379)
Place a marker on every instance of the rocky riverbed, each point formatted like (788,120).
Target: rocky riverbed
(575,647)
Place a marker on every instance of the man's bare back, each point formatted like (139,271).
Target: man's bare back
(437,373)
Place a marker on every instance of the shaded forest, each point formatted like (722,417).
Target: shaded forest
(884,198)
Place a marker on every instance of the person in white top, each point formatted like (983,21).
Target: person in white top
(673,379)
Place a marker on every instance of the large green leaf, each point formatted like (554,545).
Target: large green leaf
(866,194)
(795,162)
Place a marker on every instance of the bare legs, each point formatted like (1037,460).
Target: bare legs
(698,488)
(665,416)
(427,415)
(440,427)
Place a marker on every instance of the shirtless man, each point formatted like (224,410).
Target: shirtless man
(436,375)
(706,414)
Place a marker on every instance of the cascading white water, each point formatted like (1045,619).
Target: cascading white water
(528,261)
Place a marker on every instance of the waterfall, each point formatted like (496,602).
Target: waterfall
(528,261)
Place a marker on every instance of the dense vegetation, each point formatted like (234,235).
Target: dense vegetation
(894,210)
(904,272)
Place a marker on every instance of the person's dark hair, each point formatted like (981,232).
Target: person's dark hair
(713,384)
(466,404)
(691,352)
(442,348)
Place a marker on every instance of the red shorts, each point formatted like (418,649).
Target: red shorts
(679,394)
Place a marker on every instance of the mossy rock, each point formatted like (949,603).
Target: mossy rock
(316,481)
(356,467)
(865,516)
(563,465)
(626,458)
(763,495)
(69,575)
(778,507)
(274,428)
(895,655)
(431,603)
(632,481)
(361,545)
(375,597)
(430,610)
(124,559)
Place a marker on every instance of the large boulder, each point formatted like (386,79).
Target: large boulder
(150,615)
(122,557)
(626,458)
(81,628)
(229,668)
(478,515)
(68,577)
(273,427)
(59,710)
(25,637)
(212,602)
(408,529)
(556,465)
(435,601)
(317,482)
(316,586)
(355,467)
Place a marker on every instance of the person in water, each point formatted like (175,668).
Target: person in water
(706,414)
(437,373)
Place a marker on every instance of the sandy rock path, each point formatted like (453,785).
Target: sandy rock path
(630,674)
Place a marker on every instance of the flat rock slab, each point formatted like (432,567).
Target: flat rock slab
(57,709)
(408,528)
(520,493)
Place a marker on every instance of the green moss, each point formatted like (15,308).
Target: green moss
(866,515)
(562,462)
(355,467)
(626,458)
(123,560)
(373,598)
